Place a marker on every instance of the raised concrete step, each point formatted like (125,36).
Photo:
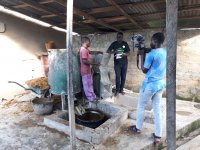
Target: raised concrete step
(187,120)
(193,144)
(123,140)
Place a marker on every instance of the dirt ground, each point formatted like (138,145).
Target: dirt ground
(22,129)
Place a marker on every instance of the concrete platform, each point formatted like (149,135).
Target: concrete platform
(95,136)
(187,120)
(194,144)
(20,128)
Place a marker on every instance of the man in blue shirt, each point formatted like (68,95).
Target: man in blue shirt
(152,86)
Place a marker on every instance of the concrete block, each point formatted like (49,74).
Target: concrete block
(96,136)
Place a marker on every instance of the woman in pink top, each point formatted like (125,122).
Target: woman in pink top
(85,69)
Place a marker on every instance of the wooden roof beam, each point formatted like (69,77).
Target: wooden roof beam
(160,19)
(164,12)
(87,16)
(42,8)
(41,2)
(82,25)
(102,23)
(124,13)
(21,6)
(119,18)
(49,16)
(38,18)
(113,8)
(179,18)
(108,20)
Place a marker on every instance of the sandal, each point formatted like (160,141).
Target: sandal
(122,92)
(157,139)
(134,130)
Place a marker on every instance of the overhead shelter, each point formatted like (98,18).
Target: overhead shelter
(99,16)
(95,16)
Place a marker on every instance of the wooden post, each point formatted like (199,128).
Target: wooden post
(171,32)
(70,95)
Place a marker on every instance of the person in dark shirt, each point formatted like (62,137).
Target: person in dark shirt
(121,50)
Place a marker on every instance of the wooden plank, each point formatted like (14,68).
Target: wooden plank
(112,8)
(171,40)
(102,23)
(38,17)
(42,8)
(51,13)
(84,25)
(179,18)
(70,93)
(41,2)
(112,19)
(161,19)
(181,9)
(100,10)
(108,20)
(124,13)
(123,24)
(21,6)
(87,16)
(48,16)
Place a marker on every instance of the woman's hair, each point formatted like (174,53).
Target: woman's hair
(159,36)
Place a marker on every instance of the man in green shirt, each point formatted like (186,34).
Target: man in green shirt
(121,50)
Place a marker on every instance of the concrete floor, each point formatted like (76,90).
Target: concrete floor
(21,129)
(194,144)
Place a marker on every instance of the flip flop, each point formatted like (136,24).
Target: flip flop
(134,130)
(157,139)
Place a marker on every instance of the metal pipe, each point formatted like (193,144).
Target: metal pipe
(63,102)
(70,70)
(171,32)
(50,95)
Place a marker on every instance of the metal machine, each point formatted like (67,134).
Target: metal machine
(101,74)
(57,77)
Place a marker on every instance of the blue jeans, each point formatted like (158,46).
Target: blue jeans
(143,100)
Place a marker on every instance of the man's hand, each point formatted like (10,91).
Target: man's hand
(125,54)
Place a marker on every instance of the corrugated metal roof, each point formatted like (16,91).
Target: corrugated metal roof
(55,7)
(105,15)
(102,16)
(188,2)
(145,8)
(127,1)
(10,2)
(87,4)
(32,11)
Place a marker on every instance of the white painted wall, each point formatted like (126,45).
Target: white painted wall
(20,46)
